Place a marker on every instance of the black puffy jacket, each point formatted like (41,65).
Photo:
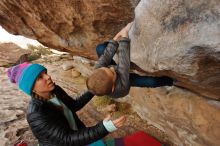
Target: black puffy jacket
(50,126)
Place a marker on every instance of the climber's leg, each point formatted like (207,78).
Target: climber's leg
(100,49)
(148,81)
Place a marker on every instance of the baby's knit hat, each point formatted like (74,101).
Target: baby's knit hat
(25,75)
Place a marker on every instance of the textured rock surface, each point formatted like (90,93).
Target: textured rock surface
(74,25)
(187,119)
(11,54)
(13,105)
(180,39)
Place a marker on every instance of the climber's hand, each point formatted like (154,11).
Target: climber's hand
(123,32)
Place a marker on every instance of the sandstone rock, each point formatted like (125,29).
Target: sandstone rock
(75,73)
(66,56)
(186,118)
(12,54)
(13,103)
(71,25)
(134,2)
(179,39)
(81,59)
(67,65)
(51,58)
(84,68)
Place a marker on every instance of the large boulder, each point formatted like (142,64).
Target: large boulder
(180,39)
(12,54)
(71,25)
(186,118)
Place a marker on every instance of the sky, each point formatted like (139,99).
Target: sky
(17,39)
(20,40)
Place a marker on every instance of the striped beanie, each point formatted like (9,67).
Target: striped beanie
(25,75)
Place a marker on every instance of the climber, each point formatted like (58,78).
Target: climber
(52,112)
(114,79)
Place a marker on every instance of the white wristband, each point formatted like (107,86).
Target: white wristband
(109,125)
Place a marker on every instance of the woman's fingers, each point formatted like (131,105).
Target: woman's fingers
(120,121)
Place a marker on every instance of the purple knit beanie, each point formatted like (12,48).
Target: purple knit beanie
(15,72)
(25,75)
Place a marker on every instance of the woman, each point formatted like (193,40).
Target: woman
(51,112)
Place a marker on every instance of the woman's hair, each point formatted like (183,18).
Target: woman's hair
(99,83)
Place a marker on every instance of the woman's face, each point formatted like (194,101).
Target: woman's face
(43,84)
